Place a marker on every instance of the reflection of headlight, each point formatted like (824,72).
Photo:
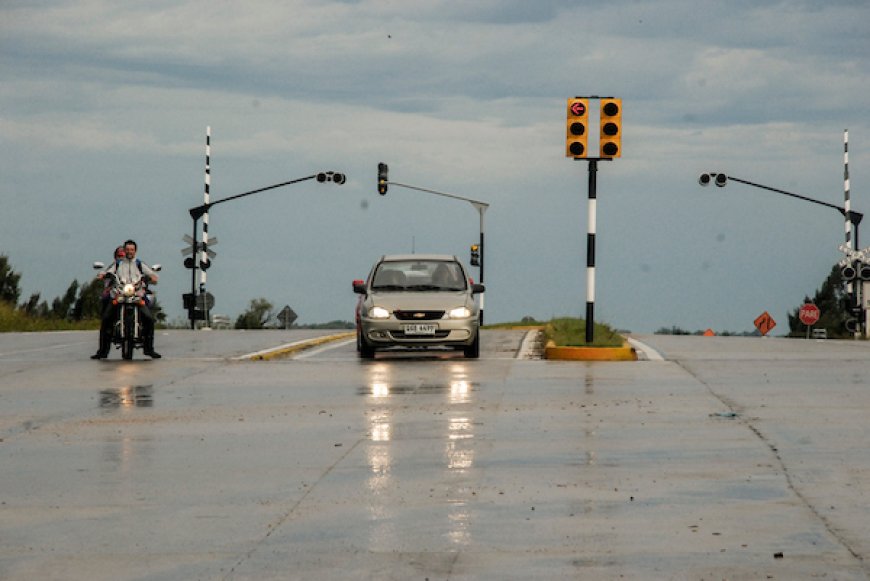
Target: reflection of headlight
(379,313)
(459,313)
(129,290)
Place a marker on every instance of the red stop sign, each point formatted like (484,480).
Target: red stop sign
(809,314)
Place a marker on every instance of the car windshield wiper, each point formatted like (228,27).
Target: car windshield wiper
(427,287)
(389,287)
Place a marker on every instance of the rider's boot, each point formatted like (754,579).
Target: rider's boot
(105,344)
(148,348)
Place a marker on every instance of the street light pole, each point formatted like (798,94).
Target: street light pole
(481,208)
(197,212)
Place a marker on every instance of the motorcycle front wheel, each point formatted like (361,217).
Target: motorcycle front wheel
(128,340)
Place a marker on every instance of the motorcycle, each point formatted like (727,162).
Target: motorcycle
(128,298)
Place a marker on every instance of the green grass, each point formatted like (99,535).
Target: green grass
(13,320)
(570,332)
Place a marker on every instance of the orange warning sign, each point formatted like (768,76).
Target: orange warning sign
(764,323)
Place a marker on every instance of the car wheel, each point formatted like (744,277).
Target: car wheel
(473,350)
(366,351)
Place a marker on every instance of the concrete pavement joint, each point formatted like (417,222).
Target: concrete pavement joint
(785,471)
(287,515)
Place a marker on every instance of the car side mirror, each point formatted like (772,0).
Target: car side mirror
(477,288)
(359,287)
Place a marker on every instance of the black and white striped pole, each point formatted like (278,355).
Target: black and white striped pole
(204,261)
(592,217)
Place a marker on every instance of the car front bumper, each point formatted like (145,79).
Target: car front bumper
(390,332)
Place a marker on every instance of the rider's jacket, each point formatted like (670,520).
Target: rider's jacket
(130,270)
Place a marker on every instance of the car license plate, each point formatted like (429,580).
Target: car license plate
(419,329)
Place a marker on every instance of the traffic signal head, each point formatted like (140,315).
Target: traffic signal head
(577,128)
(720,179)
(382,178)
(475,255)
(610,142)
(331,176)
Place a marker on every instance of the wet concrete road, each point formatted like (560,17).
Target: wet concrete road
(731,459)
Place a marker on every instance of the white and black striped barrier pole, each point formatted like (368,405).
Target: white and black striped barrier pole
(204,261)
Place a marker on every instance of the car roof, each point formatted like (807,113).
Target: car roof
(398,257)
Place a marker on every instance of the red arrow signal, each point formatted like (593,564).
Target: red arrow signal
(578,108)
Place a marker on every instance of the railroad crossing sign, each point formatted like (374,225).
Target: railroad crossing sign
(199,246)
(853,255)
(809,314)
(764,323)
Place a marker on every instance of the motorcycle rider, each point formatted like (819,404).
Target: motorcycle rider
(128,269)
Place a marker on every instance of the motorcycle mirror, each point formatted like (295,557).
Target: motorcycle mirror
(156,267)
(99,265)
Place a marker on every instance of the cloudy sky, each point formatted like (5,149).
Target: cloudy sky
(104,107)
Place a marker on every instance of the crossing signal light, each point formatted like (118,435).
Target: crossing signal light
(577,128)
(475,255)
(382,178)
(610,142)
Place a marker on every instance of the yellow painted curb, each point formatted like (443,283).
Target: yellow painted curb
(301,346)
(624,353)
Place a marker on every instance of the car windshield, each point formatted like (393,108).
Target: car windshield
(419,275)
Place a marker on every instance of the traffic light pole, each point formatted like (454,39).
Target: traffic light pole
(481,208)
(854,218)
(592,217)
(197,212)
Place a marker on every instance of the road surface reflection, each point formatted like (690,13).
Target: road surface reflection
(387,388)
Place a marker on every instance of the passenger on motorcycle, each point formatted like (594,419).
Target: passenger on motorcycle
(132,270)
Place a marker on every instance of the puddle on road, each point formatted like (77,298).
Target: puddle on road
(127,397)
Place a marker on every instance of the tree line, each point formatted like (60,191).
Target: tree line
(80,302)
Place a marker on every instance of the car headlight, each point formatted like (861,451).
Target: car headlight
(459,313)
(379,313)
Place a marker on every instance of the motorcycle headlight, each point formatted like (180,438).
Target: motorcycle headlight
(459,313)
(129,290)
(379,313)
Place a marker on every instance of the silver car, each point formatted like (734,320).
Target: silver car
(417,300)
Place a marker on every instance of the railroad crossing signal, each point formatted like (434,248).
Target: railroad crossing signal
(577,128)
(856,264)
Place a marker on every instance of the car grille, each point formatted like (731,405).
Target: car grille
(418,315)
(437,335)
